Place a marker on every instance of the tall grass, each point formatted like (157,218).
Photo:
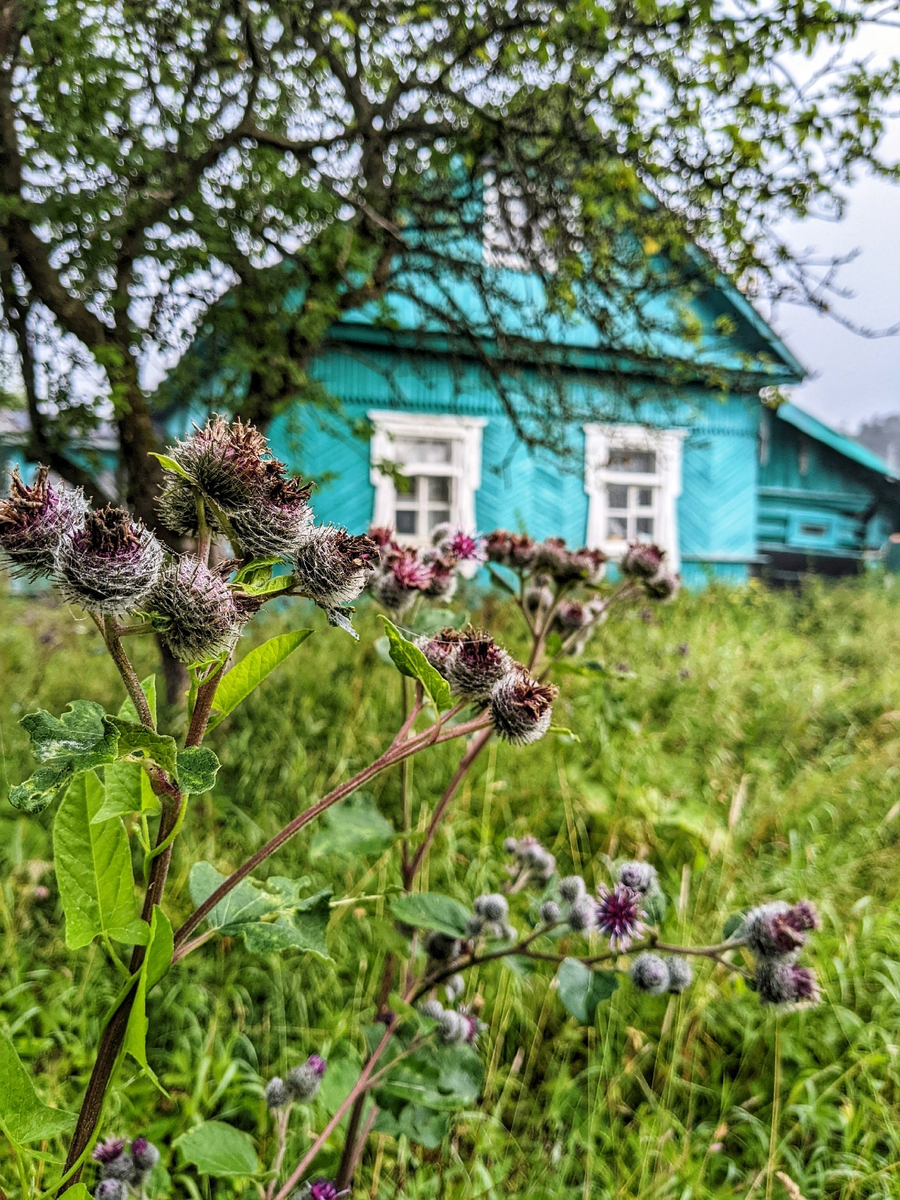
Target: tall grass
(746,742)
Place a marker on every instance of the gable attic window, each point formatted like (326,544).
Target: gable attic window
(633,481)
(425,470)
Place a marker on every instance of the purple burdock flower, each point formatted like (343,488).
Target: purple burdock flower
(317,1064)
(572,614)
(462,546)
(515,550)
(110,565)
(34,520)
(476,666)
(332,569)
(144,1154)
(402,577)
(441,648)
(303,1082)
(664,585)
(443,576)
(619,915)
(108,1151)
(781,981)
(279,518)
(225,461)
(322,1189)
(202,620)
(778,928)
(521,708)
(641,561)
(111,1189)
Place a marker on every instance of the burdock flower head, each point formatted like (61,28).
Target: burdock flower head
(514,550)
(440,649)
(202,619)
(650,974)
(401,578)
(278,520)
(664,585)
(34,520)
(641,561)
(639,876)
(322,1189)
(521,708)
(619,915)
(303,1082)
(476,666)
(779,929)
(332,568)
(110,565)
(442,585)
(453,540)
(532,862)
(225,461)
(781,981)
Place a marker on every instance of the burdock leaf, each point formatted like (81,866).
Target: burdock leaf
(215,1148)
(82,738)
(128,791)
(409,660)
(432,910)
(582,989)
(156,962)
(93,869)
(197,769)
(129,713)
(169,464)
(237,684)
(23,1116)
(137,743)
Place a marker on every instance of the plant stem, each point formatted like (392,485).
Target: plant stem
(394,754)
(203,706)
(123,664)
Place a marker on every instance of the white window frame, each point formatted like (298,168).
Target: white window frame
(666,479)
(464,435)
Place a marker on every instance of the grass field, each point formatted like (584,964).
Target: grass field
(746,742)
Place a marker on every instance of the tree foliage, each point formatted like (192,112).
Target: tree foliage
(301,159)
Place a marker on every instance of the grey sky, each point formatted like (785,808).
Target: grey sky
(853,378)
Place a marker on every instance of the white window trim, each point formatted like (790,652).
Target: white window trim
(667,444)
(465,433)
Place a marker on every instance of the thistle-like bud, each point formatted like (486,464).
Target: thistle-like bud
(144,1154)
(35,520)
(111,1189)
(452,1028)
(278,520)
(521,708)
(109,1151)
(572,888)
(650,974)
(641,561)
(440,649)
(332,569)
(664,585)
(225,460)
(514,550)
(571,615)
(442,585)
(781,981)
(538,595)
(551,913)
(433,1008)
(530,857)
(582,916)
(278,1094)
(681,974)
(778,928)
(492,906)
(452,540)
(402,577)
(474,927)
(304,1082)
(570,566)
(619,915)
(110,565)
(639,876)
(476,666)
(441,947)
(203,620)
(454,987)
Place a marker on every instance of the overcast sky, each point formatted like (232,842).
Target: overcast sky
(853,378)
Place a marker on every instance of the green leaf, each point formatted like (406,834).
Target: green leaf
(129,713)
(501,583)
(354,827)
(654,906)
(432,910)
(169,464)
(156,962)
(424,1125)
(23,1117)
(128,791)
(409,660)
(137,743)
(215,1148)
(93,869)
(237,684)
(733,925)
(259,568)
(197,769)
(82,738)
(271,917)
(582,989)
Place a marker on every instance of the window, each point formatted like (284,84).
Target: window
(426,470)
(633,480)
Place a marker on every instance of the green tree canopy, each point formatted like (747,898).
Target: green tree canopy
(158,154)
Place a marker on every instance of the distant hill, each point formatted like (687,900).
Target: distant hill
(881,435)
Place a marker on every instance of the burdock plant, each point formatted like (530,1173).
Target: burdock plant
(122,785)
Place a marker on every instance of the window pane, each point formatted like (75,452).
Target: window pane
(617,528)
(642,462)
(438,516)
(644,526)
(422,450)
(439,488)
(645,497)
(406,521)
(617,495)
